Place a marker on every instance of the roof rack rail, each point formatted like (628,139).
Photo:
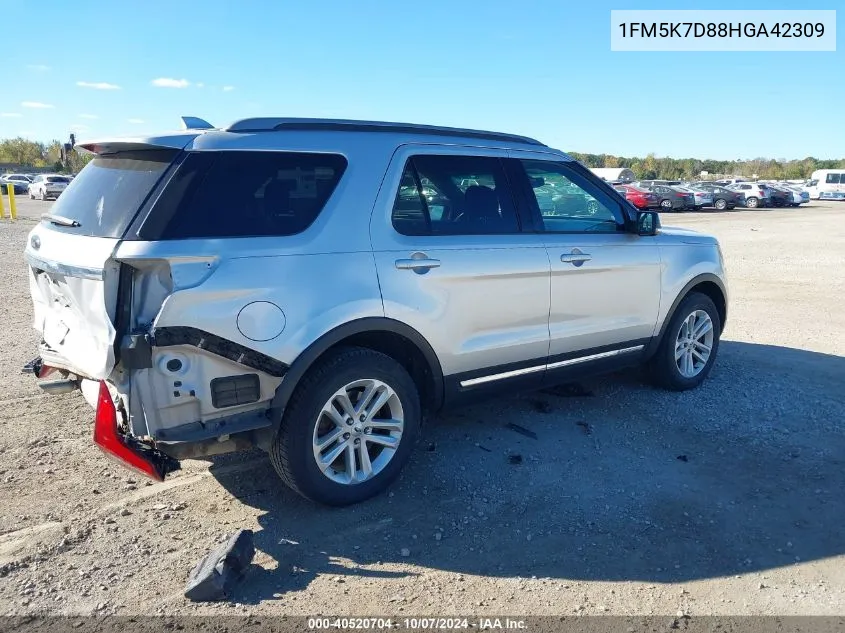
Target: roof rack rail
(267,124)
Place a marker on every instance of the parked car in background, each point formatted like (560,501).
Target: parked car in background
(723,198)
(671,199)
(48,186)
(18,182)
(779,197)
(791,196)
(753,195)
(639,197)
(799,196)
(701,198)
(726,182)
(651,183)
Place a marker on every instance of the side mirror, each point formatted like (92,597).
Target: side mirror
(648,222)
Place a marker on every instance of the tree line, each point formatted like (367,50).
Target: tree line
(651,167)
(19,151)
(26,153)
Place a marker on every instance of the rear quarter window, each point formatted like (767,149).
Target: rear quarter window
(245,194)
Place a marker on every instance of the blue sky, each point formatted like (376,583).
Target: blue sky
(537,67)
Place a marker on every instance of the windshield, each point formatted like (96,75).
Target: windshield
(108,192)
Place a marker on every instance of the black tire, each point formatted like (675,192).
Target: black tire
(292,451)
(752,203)
(721,204)
(666,205)
(662,366)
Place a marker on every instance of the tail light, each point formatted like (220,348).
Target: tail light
(147,462)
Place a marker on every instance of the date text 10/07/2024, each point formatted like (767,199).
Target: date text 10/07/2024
(417,624)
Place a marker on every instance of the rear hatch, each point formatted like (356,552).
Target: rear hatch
(72,274)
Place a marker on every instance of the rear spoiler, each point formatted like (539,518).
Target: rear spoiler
(193,127)
(114,145)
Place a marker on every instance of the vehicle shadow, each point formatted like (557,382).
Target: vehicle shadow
(622,483)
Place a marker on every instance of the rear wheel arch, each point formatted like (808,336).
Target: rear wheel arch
(388,336)
(707,284)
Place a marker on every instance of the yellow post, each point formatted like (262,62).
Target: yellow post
(13,209)
(2,208)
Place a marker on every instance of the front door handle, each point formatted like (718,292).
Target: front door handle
(576,259)
(422,264)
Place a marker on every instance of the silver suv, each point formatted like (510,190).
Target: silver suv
(314,287)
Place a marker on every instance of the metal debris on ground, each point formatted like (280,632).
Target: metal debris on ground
(215,576)
(515,459)
(585,426)
(484,448)
(682,458)
(521,430)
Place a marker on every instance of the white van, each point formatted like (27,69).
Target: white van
(827,184)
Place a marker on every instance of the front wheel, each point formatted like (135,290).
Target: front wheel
(348,429)
(752,203)
(721,204)
(666,205)
(689,345)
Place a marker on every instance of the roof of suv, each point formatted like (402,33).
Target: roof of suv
(396,132)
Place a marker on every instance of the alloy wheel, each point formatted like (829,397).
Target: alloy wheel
(358,431)
(694,343)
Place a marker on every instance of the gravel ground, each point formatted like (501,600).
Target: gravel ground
(631,501)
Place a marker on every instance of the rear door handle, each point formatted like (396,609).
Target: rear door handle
(575,258)
(422,265)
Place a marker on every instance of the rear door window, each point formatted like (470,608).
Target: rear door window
(454,195)
(105,196)
(245,194)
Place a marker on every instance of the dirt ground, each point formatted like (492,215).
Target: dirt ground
(725,500)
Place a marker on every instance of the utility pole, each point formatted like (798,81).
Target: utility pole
(67,148)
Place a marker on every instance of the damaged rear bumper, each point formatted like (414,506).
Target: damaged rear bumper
(126,449)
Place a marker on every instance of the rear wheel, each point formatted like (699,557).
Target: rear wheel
(721,204)
(348,429)
(689,345)
(752,203)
